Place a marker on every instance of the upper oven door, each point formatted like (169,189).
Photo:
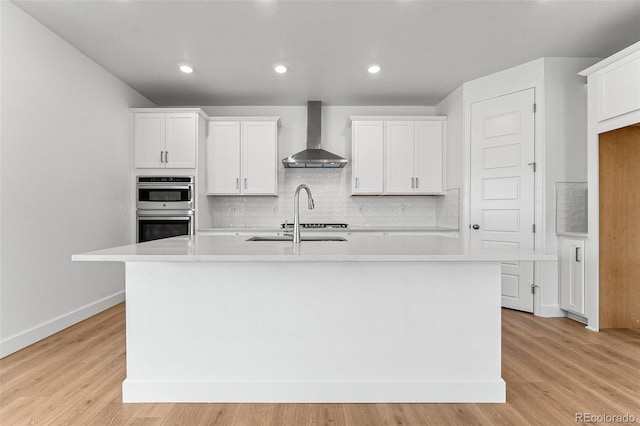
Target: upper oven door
(164,197)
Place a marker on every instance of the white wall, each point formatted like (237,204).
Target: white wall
(331,188)
(453,107)
(65,181)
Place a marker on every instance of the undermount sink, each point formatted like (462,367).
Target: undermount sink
(327,238)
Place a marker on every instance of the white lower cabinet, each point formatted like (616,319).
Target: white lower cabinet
(572,285)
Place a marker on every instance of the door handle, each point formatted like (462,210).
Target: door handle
(476,226)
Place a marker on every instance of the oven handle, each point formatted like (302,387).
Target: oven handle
(165,214)
(163,186)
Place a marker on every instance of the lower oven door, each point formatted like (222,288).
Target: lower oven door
(154,225)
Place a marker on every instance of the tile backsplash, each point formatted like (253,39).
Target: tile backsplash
(571,207)
(331,190)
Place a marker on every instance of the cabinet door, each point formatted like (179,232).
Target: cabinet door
(368,157)
(429,157)
(223,158)
(399,162)
(619,88)
(181,140)
(259,157)
(572,275)
(149,134)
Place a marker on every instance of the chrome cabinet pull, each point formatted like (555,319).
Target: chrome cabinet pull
(237,183)
(166,156)
(245,183)
(356,182)
(413,183)
(417,185)
(161,160)
(578,254)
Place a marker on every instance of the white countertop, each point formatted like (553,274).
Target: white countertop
(349,229)
(360,248)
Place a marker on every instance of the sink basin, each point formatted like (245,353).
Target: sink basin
(327,238)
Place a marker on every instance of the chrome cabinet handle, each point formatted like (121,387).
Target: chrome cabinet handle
(578,254)
(237,183)
(245,183)
(356,182)
(413,183)
(161,160)
(166,156)
(417,185)
(476,226)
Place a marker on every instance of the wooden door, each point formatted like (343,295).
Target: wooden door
(620,228)
(502,186)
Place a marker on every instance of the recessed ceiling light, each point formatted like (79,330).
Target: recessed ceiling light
(374,68)
(280,69)
(186,69)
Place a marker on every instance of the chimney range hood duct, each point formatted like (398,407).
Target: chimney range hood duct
(314,156)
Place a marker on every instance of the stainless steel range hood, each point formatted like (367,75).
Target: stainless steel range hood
(314,156)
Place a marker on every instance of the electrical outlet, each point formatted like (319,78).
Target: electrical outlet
(403,209)
(274,209)
(360,209)
(234,209)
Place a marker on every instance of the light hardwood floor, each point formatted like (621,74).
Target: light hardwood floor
(554,368)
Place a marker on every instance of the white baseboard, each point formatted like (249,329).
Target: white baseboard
(28,337)
(550,311)
(314,391)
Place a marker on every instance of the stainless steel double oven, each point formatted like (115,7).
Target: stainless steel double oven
(165,207)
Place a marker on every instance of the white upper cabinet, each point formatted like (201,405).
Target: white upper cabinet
(242,157)
(399,156)
(223,158)
(368,157)
(614,85)
(165,139)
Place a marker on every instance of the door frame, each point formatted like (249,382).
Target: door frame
(527,76)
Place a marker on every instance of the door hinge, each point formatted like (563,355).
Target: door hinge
(533,288)
(535,108)
(533,228)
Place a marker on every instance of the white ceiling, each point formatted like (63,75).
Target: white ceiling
(427,48)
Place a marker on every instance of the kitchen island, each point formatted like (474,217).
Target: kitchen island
(371,319)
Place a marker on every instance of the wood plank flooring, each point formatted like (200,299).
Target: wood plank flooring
(554,368)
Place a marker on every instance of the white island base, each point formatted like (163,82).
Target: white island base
(313,331)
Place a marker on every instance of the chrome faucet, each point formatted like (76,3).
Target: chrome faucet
(296,210)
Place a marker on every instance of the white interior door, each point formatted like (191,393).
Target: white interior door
(502,186)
